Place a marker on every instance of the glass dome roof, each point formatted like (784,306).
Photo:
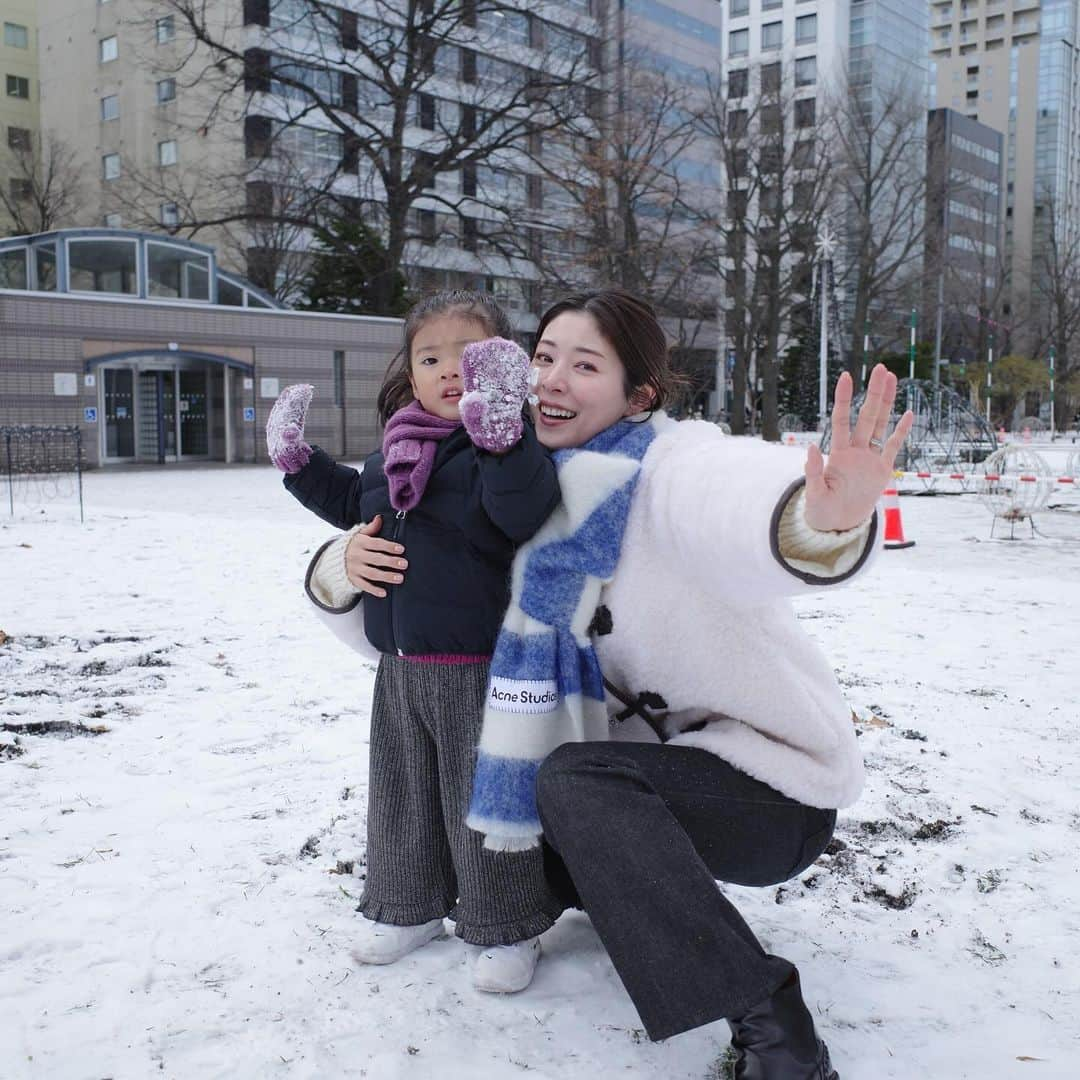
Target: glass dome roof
(124,263)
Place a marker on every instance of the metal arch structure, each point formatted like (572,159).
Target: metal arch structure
(948,434)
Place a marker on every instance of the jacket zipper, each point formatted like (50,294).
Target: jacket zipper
(399,529)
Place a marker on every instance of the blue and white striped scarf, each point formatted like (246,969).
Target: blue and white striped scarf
(546,687)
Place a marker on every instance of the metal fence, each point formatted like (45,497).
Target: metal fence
(42,463)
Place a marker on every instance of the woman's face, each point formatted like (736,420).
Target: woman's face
(580,383)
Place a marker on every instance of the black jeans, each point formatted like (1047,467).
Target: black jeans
(637,834)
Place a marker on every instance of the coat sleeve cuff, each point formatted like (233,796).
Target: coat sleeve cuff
(818,558)
(327,583)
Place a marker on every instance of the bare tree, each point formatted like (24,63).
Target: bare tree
(429,124)
(769,139)
(45,188)
(878,142)
(1056,284)
(619,201)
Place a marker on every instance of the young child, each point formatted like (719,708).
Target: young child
(460,482)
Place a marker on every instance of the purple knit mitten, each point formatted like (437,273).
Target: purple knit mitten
(495,375)
(285,428)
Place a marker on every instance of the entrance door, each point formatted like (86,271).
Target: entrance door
(194,414)
(119,413)
(157,415)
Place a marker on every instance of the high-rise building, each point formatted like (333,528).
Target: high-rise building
(834,56)
(964,232)
(19,116)
(1012,65)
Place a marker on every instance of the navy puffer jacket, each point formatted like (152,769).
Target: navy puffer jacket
(459,540)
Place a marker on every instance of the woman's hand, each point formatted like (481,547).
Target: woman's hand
(369,559)
(841,492)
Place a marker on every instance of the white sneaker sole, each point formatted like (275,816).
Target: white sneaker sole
(373,955)
(492,984)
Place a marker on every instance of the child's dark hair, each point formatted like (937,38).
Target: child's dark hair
(634,332)
(396,391)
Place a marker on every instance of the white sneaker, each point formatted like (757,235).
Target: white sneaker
(383,943)
(506,969)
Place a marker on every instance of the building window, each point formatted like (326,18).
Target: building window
(166,152)
(805,112)
(771,78)
(738,7)
(806,71)
(18,87)
(113,221)
(110,166)
(166,91)
(772,35)
(165,29)
(169,214)
(425,112)
(177,273)
(21,190)
(110,107)
(803,155)
(738,83)
(16,36)
(102,266)
(19,139)
(738,43)
(339,377)
(805,29)
(108,50)
(426,221)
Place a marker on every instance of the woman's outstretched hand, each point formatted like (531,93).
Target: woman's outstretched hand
(369,559)
(841,491)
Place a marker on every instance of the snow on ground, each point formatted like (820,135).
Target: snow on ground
(174,891)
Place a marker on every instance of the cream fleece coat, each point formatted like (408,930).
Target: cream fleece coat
(715,544)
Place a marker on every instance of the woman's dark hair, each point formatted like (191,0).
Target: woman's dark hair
(396,391)
(632,329)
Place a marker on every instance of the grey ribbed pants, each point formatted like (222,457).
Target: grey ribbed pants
(422,861)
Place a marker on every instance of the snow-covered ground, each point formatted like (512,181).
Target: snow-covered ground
(177,892)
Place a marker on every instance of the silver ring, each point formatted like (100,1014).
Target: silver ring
(877,444)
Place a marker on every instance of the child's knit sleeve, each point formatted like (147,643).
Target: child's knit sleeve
(330,490)
(520,487)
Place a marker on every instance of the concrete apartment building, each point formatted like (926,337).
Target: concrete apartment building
(1012,65)
(19,105)
(138,122)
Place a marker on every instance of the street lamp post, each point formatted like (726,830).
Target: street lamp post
(1051,393)
(826,244)
(865,353)
(989,371)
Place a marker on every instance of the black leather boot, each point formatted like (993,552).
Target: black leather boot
(776,1040)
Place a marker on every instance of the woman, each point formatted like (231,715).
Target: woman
(731,746)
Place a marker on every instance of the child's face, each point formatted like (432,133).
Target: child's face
(435,362)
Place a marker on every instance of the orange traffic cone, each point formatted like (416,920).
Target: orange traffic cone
(894,527)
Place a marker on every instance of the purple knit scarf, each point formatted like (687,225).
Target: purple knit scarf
(409,443)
